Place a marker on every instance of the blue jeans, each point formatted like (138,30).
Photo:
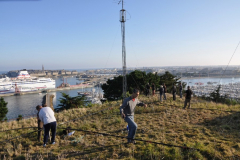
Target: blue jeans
(47,127)
(165,97)
(180,94)
(160,97)
(132,127)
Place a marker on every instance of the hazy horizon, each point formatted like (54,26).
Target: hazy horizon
(121,67)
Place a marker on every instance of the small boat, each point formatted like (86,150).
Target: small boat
(199,83)
(84,93)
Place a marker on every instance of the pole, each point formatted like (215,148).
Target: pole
(123,20)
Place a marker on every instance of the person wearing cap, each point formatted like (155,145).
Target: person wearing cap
(46,115)
(127,112)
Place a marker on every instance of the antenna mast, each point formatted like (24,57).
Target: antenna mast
(123,20)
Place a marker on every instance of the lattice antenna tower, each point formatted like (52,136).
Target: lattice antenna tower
(123,20)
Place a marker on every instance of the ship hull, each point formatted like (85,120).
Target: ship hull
(12,86)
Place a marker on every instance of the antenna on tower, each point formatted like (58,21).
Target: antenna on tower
(123,20)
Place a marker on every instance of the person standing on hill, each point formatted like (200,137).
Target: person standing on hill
(147,89)
(180,90)
(127,112)
(161,91)
(188,95)
(46,115)
(153,89)
(174,91)
(164,91)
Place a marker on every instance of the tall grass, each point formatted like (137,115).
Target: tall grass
(212,128)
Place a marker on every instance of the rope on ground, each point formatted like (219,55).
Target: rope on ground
(58,125)
(211,109)
(18,129)
(147,141)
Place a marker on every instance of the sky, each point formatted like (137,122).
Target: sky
(81,34)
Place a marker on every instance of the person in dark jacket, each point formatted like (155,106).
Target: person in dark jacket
(180,90)
(147,89)
(127,112)
(188,95)
(164,91)
(174,92)
(161,91)
(153,89)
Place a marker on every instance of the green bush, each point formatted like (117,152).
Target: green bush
(3,109)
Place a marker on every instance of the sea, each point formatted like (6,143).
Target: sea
(25,105)
(3,72)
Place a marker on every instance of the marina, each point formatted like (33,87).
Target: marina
(230,90)
(25,103)
(204,86)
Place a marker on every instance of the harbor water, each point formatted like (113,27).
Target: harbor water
(25,105)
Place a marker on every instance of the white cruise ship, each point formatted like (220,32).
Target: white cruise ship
(25,83)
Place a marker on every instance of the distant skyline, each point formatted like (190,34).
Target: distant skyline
(82,34)
(163,67)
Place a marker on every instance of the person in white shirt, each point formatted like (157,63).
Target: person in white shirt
(46,115)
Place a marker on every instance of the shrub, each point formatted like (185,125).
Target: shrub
(3,109)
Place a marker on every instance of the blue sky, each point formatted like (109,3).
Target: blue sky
(79,34)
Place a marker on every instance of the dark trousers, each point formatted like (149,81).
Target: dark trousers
(47,127)
(187,101)
(40,127)
(147,92)
(174,96)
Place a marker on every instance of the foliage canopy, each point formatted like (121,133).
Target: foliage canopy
(3,109)
(137,79)
(68,102)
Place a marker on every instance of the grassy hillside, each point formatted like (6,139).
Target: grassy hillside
(211,128)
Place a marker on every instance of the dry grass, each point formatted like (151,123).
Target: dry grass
(212,128)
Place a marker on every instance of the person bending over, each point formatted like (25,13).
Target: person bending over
(46,115)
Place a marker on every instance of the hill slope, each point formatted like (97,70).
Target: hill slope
(211,128)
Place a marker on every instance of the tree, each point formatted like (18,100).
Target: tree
(3,109)
(136,79)
(113,88)
(216,97)
(67,102)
